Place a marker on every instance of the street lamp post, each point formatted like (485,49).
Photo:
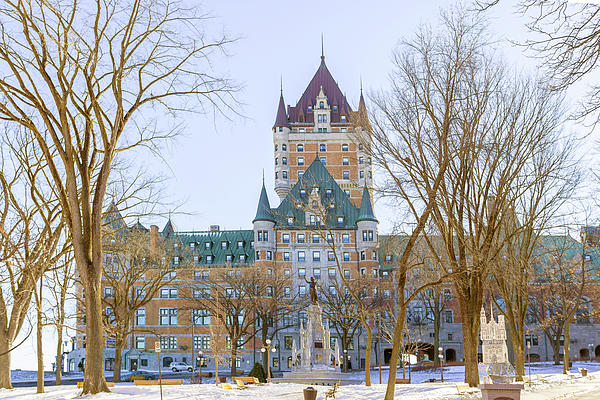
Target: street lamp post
(345,360)
(200,356)
(441,357)
(266,349)
(529,358)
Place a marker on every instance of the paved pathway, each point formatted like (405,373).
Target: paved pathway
(578,389)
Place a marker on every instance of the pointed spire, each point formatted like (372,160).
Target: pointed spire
(263,212)
(282,118)
(322,52)
(366,208)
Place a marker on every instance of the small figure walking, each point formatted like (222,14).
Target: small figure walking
(80,365)
(53,367)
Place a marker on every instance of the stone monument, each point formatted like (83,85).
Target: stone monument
(497,370)
(314,361)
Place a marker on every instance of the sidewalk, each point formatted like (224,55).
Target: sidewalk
(563,388)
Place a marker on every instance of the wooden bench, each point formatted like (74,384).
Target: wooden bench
(240,384)
(331,392)
(159,382)
(109,384)
(570,375)
(526,379)
(226,385)
(464,388)
(245,379)
(541,378)
(203,374)
(402,381)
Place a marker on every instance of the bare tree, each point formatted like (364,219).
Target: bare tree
(565,38)
(231,296)
(134,277)
(80,79)
(451,97)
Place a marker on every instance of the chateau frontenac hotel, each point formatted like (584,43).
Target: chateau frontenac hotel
(323,178)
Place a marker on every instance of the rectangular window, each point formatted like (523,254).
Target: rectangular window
(345,147)
(240,245)
(140,342)
(285,238)
(315,238)
(223,245)
(209,259)
(287,292)
(168,316)
(328,193)
(140,316)
(447,294)
(375,273)
(345,175)
(313,220)
(286,256)
(345,238)
(301,291)
(207,245)
(363,255)
(330,256)
(340,221)
(448,316)
(269,255)
(361,175)
(300,238)
(449,337)
(201,317)
(331,272)
(332,290)
(300,147)
(345,161)
(301,272)
(300,160)
(287,272)
(287,342)
(302,193)
(346,256)
(300,173)
(346,274)
(322,147)
(316,256)
(301,256)
(284,161)
(317,273)
(168,293)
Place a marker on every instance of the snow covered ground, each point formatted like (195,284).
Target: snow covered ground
(420,389)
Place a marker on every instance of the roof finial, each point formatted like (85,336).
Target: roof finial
(281,84)
(263,177)
(322,47)
(361,84)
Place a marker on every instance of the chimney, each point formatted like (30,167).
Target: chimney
(153,237)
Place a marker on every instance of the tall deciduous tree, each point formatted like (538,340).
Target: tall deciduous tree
(456,119)
(90,80)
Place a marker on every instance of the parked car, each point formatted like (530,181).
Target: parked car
(132,375)
(179,366)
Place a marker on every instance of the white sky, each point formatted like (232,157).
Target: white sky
(218,165)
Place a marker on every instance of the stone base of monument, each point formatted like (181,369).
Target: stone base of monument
(316,378)
(500,391)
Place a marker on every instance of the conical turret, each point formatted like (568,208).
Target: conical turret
(366,208)
(263,212)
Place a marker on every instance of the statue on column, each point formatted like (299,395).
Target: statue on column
(313,289)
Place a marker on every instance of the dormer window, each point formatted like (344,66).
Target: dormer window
(334,108)
(223,245)
(207,245)
(343,118)
(302,193)
(192,245)
(321,105)
(309,108)
(328,193)
(331,207)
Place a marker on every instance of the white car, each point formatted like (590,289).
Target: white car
(179,366)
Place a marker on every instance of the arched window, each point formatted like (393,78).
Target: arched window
(321,105)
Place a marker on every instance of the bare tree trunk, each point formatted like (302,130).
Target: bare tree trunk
(391,386)
(119,344)
(5,346)
(39,328)
(519,350)
(437,322)
(566,349)
(470,326)
(59,354)
(368,354)
(94,381)
(234,357)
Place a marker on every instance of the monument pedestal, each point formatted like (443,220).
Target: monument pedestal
(501,391)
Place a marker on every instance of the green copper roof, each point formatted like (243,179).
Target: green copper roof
(263,212)
(366,208)
(296,202)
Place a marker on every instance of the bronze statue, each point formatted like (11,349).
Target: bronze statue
(313,289)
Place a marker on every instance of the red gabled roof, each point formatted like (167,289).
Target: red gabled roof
(335,97)
(282,119)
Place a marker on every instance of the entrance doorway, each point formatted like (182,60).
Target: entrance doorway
(387,355)
(450,355)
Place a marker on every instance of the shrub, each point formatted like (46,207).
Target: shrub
(258,372)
